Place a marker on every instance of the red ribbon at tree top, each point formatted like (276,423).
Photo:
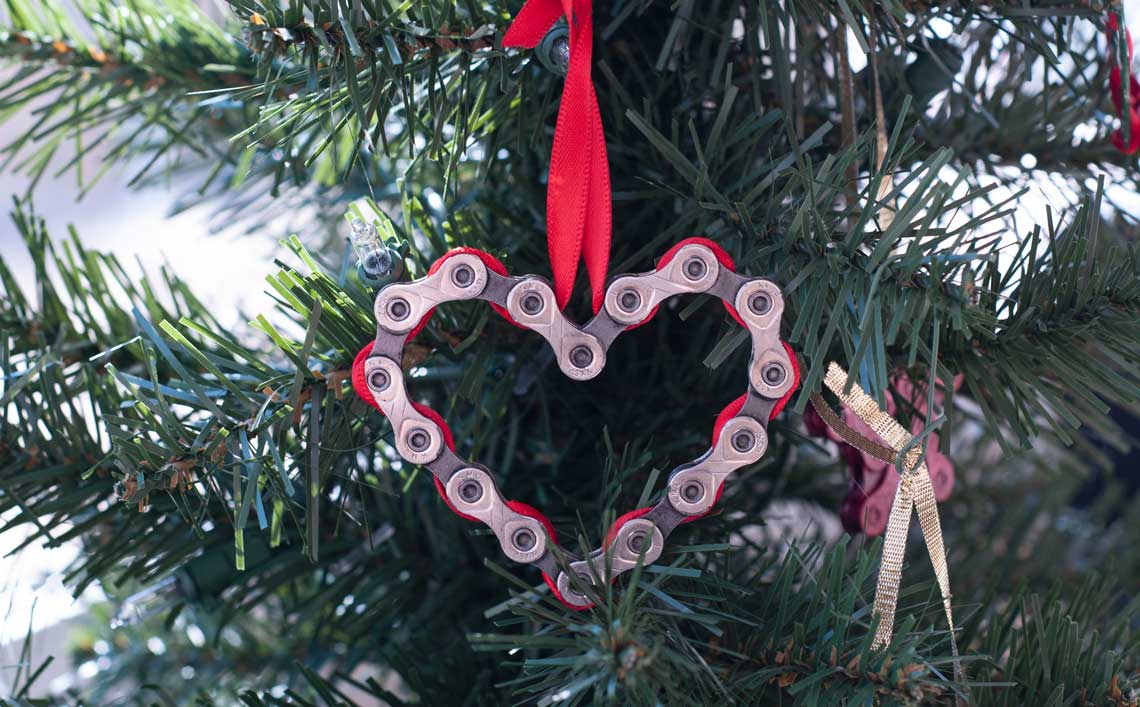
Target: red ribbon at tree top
(578,218)
(1116,86)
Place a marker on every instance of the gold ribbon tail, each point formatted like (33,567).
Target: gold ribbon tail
(914,491)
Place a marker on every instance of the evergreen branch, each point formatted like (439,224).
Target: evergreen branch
(872,297)
(757,643)
(186,91)
(186,426)
(278,520)
(116,88)
(1029,105)
(317,94)
(768,642)
(272,42)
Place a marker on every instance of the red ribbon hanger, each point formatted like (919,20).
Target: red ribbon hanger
(1116,88)
(578,215)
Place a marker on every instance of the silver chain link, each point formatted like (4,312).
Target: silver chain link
(581,354)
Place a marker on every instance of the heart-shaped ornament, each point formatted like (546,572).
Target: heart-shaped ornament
(739,438)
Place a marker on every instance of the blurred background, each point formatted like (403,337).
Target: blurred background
(147,228)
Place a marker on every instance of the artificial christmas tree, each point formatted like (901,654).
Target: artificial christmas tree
(240,504)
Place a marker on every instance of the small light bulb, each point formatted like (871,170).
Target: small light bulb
(146,602)
(373,255)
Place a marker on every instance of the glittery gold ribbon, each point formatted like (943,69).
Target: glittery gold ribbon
(914,491)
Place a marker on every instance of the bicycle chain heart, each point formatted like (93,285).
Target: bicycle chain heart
(695,265)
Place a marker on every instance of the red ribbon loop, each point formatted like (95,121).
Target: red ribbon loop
(1116,89)
(578,211)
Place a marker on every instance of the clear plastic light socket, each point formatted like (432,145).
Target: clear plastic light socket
(147,602)
(373,255)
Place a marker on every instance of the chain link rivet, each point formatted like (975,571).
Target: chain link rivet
(463,276)
(581,356)
(398,309)
(760,303)
(695,268)
(471,491)
(743,441)
(532,304)
(629,300)
(773,374)
(419,439)
(379,380)
(524,539)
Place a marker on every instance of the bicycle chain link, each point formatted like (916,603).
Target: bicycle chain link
(630,300)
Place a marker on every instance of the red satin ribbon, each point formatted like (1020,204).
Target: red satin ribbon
(1116,86)
(578,217)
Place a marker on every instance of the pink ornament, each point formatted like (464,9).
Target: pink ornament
(873,481)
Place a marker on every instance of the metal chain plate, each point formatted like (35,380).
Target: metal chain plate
(693,488)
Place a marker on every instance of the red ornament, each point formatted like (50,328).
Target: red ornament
(1116,88)
(873,482)
(422,436)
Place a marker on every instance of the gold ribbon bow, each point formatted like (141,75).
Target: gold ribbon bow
(914,491)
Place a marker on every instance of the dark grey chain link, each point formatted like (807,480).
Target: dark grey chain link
(581,354)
